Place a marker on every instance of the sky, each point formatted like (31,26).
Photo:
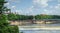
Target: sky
(34,7)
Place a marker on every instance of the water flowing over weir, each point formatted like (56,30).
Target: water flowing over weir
(43,28)
(39,28)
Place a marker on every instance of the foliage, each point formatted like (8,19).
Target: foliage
(13,29)
(12,16)
(43,17)
(47,17)
(5,27)
(3,20)
(37,17)
(19,17)
(9,29)
(4,24)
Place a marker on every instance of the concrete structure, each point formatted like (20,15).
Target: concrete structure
(22,22)
(29,22)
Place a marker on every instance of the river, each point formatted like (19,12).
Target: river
(40,28)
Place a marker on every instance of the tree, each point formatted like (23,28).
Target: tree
(12,16)
(4,24)
(2,6)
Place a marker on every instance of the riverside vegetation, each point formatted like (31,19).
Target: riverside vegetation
(4,24)
(13,16)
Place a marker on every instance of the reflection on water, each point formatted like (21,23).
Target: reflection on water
(42,30)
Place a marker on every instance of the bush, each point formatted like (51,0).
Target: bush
(13,29)
(5,27)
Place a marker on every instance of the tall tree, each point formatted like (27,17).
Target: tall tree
(4,24)
(2,6)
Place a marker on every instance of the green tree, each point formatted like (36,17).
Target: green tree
(12,16)
(4,24)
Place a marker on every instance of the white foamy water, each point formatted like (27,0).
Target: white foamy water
(45,28)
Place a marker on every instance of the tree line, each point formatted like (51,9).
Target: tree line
(12,16)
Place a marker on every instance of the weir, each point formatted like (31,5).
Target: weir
(38,28)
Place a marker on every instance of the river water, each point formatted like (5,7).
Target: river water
(52,28)
(41,31)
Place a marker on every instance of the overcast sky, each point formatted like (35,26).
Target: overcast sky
(34,7)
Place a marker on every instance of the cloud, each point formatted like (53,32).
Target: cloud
(52,10)
(50,6)
(13,7)
(42,3)
(38,7)
(50,0)
(7,4)
(26,11)
(58,6)
(45,10)
(29,10)
(58,1)
(19,11)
